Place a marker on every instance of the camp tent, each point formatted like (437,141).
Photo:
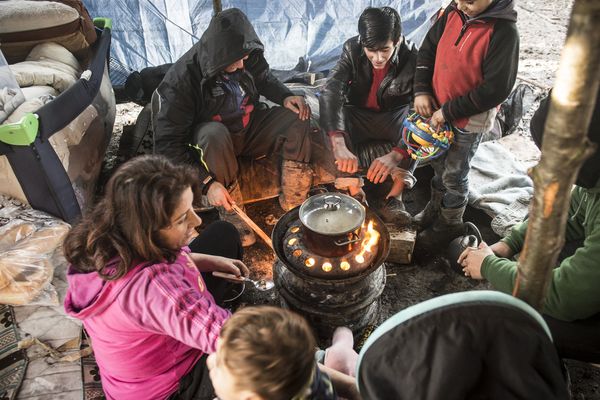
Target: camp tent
(155,32)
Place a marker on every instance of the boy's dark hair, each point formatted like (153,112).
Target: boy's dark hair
(378,25)
(270,351)
(139,200)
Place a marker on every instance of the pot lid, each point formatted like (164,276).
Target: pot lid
(332,213)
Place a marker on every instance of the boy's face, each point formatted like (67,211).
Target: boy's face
(381,55)
(472,8)
(223,381)
(239,64)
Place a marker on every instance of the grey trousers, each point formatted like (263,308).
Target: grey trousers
(366,125)
(270,131)
(451,169)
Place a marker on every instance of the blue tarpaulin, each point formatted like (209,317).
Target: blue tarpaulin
(155,32)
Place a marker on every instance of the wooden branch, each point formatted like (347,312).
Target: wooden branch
(253,225)
(565,148)
(217,7)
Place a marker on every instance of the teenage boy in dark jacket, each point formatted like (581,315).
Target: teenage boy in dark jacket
(210,114)
(368,92)
(466,67)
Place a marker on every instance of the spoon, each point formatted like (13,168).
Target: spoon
(262,284)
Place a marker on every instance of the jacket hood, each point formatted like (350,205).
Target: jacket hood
(500,9)
(467,346)
(229,37)
(89,294)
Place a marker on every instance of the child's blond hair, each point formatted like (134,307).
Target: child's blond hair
(270,351)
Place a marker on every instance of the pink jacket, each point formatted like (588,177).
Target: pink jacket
(148,328)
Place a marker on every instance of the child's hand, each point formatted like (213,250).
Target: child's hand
(229,266)
(425,105)
(437,120)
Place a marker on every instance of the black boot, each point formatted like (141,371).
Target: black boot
(448,226)
(431,212)
(392,211)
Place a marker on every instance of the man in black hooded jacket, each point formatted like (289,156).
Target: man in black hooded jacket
(209,114)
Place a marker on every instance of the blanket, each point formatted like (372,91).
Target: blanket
(499,185)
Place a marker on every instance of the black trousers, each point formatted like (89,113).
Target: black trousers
(270,131)
(220,238)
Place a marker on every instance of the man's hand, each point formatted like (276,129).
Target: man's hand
(382,166)
(298,105)
(219,196)
(345,160)
(425,105)
(437,120)
(210,263)
(472,258)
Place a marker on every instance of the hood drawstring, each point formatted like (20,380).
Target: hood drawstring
(591,201)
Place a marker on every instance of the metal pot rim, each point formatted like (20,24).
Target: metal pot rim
(350,202)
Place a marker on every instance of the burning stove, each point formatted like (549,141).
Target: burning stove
(333,280)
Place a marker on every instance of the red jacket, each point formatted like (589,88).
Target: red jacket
(470,64)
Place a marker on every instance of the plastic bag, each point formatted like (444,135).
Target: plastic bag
(11,95)
(30,248)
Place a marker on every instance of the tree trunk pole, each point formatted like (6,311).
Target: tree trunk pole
(564,149)
(217,7)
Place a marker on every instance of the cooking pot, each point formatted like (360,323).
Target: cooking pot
(331,223)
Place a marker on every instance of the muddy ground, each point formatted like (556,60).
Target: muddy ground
(542,26)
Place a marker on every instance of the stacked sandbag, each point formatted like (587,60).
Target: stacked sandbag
(48,48)
(25,24)
(30,248)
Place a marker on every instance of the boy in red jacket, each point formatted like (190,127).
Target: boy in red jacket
(466,67)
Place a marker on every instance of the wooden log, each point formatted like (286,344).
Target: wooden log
(402,243)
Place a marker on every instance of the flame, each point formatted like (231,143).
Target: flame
(309,262)
(295,229)
(297,253)
(327,266)
(345,265)
(370,240)
(292,241)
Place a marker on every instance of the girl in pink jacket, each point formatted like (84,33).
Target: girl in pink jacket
(138,287)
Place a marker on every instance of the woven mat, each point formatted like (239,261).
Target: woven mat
(92,385)
(13,362)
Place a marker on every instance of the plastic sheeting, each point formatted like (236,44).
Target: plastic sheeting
(154,32)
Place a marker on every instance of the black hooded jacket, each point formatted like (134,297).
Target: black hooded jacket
(350,81)
(190,92)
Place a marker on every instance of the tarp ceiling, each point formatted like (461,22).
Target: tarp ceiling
(154,32)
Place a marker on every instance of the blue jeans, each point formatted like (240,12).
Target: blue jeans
(451,169)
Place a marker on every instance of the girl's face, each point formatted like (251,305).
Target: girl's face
(184,220)
(223,381)
(380,56)
(472,8)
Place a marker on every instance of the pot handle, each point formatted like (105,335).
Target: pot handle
(355,239)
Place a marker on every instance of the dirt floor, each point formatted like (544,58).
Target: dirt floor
(542,26)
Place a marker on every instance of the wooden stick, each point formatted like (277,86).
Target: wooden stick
(252,225)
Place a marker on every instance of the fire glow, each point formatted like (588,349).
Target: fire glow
(370,240)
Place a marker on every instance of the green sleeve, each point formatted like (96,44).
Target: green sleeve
(516,238)
(575,229)
(574,292)
(500,272)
